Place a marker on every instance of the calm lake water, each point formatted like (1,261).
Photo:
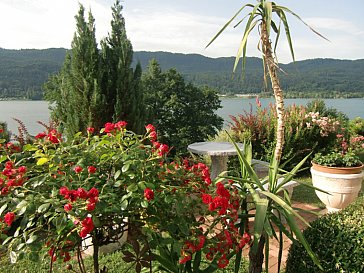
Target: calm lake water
(29,112)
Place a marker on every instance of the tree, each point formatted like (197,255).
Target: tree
(93,86)
(121,88)
(182,113)
(74,90)
(262,17)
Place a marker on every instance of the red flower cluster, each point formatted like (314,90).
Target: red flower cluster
(90,196)
(112,127)
(14,177)
(87,227)
(9,218)
(53,136)
(189,248)
(199,169)
(148,194)
(11,147)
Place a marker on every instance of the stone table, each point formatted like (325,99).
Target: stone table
(219,153)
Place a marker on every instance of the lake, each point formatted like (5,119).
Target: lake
(29,112)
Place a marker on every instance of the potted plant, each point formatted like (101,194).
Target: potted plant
(339,176)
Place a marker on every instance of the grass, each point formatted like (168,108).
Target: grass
(113,262)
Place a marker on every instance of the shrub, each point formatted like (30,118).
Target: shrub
(305,131)
(337,239)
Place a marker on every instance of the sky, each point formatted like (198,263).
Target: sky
(187,26)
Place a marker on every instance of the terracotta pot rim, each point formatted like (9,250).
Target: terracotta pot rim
(337,170)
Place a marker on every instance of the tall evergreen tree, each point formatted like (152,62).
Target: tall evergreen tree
(75,89)
(120,82)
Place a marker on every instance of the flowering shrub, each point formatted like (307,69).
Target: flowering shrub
(56,193)
(305,131)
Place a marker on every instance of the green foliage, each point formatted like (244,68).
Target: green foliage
(337,159)
(182,113)
(356,126)
(95,86)
(121,93)
(23,72)
(305,132)
(338,241)
(4,132)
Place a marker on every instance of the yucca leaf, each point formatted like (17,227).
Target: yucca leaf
(228,23)
(261,206)
(268,16)
(288,34)
(299,236)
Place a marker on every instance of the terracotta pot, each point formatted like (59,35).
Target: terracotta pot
(338,170)
(342,188)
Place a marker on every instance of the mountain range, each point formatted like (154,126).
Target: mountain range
(23,72)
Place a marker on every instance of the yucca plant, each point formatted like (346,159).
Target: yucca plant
(267,17)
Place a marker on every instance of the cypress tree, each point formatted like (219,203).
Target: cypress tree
(121,83)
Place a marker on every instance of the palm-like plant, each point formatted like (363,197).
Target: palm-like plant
(268,17)
(263,16)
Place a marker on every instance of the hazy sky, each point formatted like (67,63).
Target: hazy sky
(185,26)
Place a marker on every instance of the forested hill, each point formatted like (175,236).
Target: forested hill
(22,73)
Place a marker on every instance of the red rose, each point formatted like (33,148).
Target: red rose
(9,218)
(63,191)
(67,207)
(93,193)
(87,227)
(163,149)
(148,194)
(22,169)
(109,127)
(91,130)
(91,169)
(150,128)
(223,261)
(41,135)
(153,136)
(90,206)
(206,198)
(82,193)
(78,169)
(121,124)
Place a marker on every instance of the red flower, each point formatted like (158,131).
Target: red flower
(185,259)
(78,169)
(91,169)
(121,124)
(153,136)
(109,127)
(90,206)
(67,207)
(63,191)
(223,262)
(150,128)
(87,227)
(9,218)
(67,257)
(222,191)
(206,198)
(163,149)
(82,193)
(41,135)
(22,169)
(53,136)
(148,194)
(93,193)
(9,165)
(91,130)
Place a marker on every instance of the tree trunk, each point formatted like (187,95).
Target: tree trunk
(272,66)
(95,255)
(256,259)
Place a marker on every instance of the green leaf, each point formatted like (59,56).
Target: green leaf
(142,185)
(31,239)
(3,208)
(132,188)
(117,174)
(13,257)
(22,204)
(124,204)
(144,203)
(125,168)
(43,208)
(42,161)
(3,158)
